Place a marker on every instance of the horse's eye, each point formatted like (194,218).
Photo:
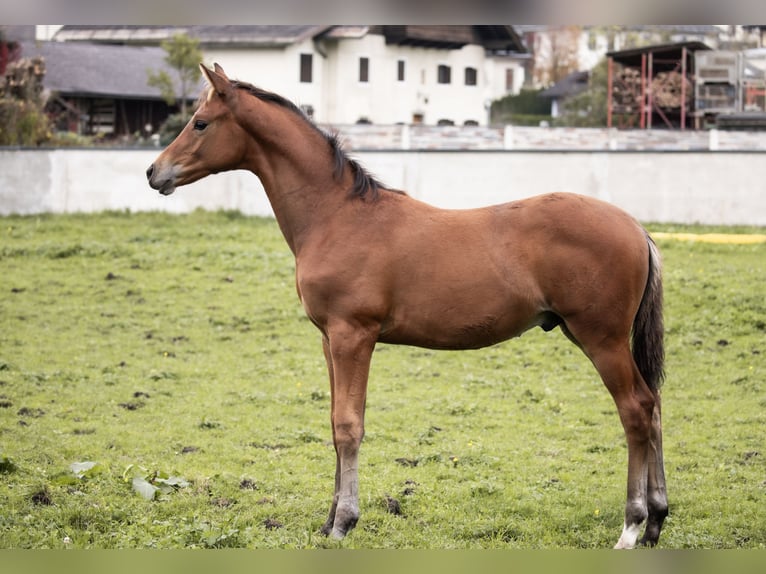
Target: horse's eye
(200,125)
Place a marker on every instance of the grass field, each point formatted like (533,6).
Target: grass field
(161,387)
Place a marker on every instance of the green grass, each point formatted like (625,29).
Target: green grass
(153,343)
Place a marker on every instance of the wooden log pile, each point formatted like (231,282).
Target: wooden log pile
(666,90)
(626,90)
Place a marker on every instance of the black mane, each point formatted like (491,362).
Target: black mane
(364,183)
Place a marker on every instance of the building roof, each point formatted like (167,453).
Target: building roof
(664,55)
(208,36)
(571,85)
(269,36)
(94,70)
(495,38)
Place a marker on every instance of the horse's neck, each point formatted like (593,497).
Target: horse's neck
(295,166)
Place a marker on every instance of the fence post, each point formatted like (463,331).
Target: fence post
(406,136)
(713,140)
(508,137)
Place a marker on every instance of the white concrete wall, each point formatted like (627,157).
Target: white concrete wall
(682,187)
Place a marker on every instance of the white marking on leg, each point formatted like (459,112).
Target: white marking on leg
(347,510)
(629,536)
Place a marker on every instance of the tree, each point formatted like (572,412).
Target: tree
(184,56)
(588,108)
(555,54)
(22,117)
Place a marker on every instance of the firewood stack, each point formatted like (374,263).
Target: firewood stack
(667,90)
(626,90)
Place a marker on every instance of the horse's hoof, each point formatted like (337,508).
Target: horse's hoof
(345,520)
(337,534)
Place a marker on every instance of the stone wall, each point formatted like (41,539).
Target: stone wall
(373,137)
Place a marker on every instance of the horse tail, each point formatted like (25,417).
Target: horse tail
(648,328)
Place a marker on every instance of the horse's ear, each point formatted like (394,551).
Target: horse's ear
(217,80)
(219,70)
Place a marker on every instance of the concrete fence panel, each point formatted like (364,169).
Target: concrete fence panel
(655,186)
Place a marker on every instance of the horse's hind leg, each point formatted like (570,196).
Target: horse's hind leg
(657,501)
(657,498)
(635,405)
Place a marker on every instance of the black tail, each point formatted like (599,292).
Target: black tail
(648,328)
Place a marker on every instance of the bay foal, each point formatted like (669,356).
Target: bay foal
(375,265)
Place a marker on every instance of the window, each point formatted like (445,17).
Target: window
(592,40)
(364,69)
(306,68)
(308,109)
(444,74)
(509,79)
(470,76)
(400,70)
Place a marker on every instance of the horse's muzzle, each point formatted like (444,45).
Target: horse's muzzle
(165,186)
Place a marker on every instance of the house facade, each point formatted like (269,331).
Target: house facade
(355,74)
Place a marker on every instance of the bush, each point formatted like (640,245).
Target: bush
(524,108)
(534,120)
(71,139)
(172,127)
(22,119)
(22,123)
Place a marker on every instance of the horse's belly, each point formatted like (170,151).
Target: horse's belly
(458,330)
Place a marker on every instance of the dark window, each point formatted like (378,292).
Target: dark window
(400,70)
(308,109)
(509,79)
(444,74)
(470,76)
(306,67)
(364,69)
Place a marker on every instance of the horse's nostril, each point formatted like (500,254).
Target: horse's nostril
(149,172)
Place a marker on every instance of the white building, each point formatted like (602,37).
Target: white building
(350,74)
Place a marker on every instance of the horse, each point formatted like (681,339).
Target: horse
(373,264)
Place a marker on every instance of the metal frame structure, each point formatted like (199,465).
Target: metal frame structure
(631,100)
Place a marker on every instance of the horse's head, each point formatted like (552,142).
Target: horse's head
(211,142)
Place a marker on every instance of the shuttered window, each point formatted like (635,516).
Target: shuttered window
(444,74)
(470,76)
(306,68)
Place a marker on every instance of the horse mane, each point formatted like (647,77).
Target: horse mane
(365,184)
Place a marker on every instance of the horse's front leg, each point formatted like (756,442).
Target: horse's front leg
(348,351)
(328,525)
